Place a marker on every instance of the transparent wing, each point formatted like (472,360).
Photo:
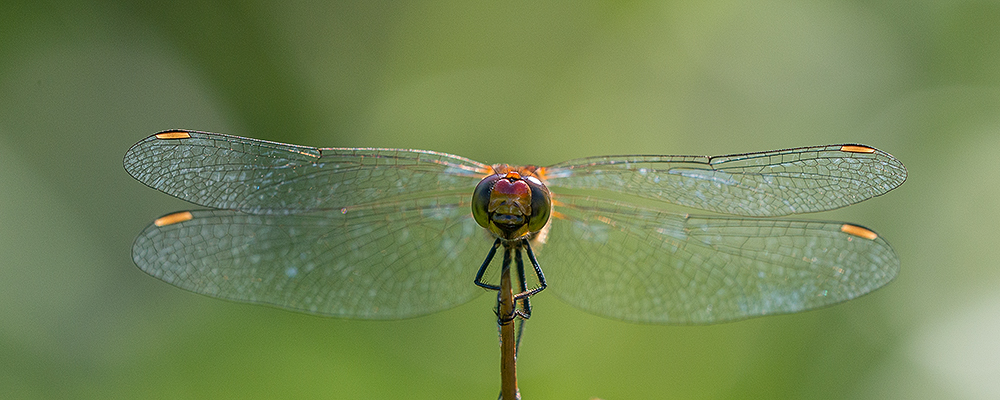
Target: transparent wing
(645,265)
(772,183)
(387,261)
(262,177)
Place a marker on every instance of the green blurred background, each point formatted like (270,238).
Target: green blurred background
(512,82)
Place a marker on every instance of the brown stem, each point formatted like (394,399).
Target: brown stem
(508,350)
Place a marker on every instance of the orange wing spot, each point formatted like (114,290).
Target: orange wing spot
(173,135)
(858,231)
(857,149)
(173,218)
(557,214)
(540,173)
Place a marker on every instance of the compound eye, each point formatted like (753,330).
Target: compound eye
(541,204)
(481,200)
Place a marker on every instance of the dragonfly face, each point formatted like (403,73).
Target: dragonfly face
(512,203)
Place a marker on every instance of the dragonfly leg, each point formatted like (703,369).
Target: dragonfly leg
(520,334)
(486,263)
(538,272)
(504,318)
(525,310)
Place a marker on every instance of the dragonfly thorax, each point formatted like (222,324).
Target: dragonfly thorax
(511,205)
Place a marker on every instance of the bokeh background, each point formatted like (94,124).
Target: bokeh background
(81,81)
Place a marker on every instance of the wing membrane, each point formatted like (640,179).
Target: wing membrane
(387,261)
(388,233)
(644,265)
(262,177)
(772,183)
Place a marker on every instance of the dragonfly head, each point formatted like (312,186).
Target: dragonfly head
(511,204)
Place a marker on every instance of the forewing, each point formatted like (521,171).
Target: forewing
(645,265)
(772,183)
(262,177)
(387,261)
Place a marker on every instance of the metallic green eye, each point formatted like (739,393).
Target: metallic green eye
(541,204)
(481,200)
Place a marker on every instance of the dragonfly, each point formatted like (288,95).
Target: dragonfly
(378,233)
